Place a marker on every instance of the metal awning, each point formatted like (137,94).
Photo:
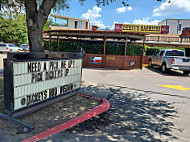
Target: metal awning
(95,34)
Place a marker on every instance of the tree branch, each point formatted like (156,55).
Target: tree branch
(31,7)
(45,9)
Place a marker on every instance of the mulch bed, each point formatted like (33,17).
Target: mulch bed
(47,117)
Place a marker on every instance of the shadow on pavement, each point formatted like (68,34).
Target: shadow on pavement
(132,117)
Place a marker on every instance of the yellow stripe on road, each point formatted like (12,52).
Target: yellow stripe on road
(176,87)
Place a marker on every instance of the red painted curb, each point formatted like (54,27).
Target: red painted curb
(105,105)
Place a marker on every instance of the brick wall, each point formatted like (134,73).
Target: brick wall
(114,62)
(146,59)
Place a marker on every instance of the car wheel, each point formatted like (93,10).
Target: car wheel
(186,72)
(150,63)
(164,68)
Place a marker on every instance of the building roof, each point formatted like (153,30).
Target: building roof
(83,33)
(164,35)
(57,28)
(67,17)
(175,19)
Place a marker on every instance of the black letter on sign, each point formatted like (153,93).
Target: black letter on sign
(23,101)
(29,68)
(66,72)
(45,66)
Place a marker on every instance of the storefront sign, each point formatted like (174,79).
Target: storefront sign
(118,27)
(141,28)
(164,29)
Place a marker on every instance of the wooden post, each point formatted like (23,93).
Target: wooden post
(143,54)
(124,60)
(104,56)
(58,42)
(49,42)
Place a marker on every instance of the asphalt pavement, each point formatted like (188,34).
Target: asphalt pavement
(146,105)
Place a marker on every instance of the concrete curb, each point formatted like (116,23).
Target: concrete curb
(105,105)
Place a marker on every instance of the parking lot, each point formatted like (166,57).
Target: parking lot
(146,105)
(148,79)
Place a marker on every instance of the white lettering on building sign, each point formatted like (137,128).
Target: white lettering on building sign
(36,81)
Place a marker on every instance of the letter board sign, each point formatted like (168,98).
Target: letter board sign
(34,81)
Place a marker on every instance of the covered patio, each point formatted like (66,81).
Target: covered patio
(107,61)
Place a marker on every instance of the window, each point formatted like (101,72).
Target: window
(179,27)
(2,45)
(175,53)
(11,45)
(60,22)
(80,24)
(76,23)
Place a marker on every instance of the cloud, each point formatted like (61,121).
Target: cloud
(145,21)
(113,26)
(93,16)
(126,22)
(123,9)
(175,7)
(129,8)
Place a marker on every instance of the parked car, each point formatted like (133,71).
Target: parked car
(25,47)
(171,59)
(9,47)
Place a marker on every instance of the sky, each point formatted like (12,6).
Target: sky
(138,12)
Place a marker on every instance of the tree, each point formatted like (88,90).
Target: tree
(13,30)
(47,24)
(37,12)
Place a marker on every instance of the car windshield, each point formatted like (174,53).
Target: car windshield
(12,45)
(175,53)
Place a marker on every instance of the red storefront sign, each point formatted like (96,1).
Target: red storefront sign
(164,29)
(118,27)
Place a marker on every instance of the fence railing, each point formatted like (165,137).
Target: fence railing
(168,39)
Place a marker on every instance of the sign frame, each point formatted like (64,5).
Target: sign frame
(27,57)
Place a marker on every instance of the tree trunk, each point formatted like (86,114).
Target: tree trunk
(36,19)
(35,36)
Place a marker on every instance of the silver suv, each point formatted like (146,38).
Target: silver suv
(9,47)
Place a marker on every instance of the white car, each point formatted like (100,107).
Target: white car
(9,47)
(25,47)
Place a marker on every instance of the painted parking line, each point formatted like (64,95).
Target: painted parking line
(176,87)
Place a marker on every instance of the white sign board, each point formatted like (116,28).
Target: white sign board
(36,81)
